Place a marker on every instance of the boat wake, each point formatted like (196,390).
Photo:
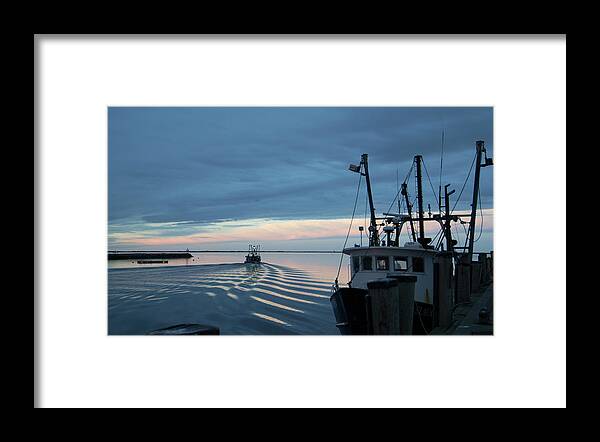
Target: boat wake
(249,299)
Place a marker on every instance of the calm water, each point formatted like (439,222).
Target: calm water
(287,294)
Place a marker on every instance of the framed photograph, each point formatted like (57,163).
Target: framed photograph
(261,221)
(246,220)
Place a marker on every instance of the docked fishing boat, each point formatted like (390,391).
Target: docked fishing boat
(253,256)
(386,257)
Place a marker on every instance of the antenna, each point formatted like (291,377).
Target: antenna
(397,189)
(441,169)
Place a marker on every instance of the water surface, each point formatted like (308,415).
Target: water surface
(287,294)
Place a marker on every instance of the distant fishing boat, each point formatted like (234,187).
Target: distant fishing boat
(384,256)
(253,256)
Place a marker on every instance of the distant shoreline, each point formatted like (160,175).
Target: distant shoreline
(221,251)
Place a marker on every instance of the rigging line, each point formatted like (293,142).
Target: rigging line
(409,172)
(398,193)
(393,201)
(466,236)
(440,241)
(366,201)
(422,323)
(442,237)
(442,161)
(464,184)
(349,228)
(398,188)
(435,237)
(397,183)
(431,184)
(481,216)
(403,182)
(453,226)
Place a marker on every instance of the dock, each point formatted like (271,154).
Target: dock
(466,316)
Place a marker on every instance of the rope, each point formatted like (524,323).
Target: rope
(456,232)
(421,321)
(431,184)
(464,184)
(399,190)
(436,236)
(466,236)
(365,222)
(480,215)
(441,166)
(440,241)
(349,229)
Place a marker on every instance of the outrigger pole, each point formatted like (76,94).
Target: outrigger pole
(422,240)
(488,162)
(409,210)
(364,165)
(373,232)
(447,229)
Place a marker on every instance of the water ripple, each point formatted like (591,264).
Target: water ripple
(282,300)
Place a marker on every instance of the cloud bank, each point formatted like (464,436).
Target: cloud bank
(190,176)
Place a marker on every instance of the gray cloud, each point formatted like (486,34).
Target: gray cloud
(208,164)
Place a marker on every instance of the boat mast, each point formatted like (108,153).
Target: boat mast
(373,233)
(447,230)
(488,162)
(409,210)
(418,160)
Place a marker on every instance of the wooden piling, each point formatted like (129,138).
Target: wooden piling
(444,289)
(391,302)
(463,282)
(476,268)
(406,290)
(385,306)
(486,268)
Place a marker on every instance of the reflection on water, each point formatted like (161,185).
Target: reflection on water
(287,294)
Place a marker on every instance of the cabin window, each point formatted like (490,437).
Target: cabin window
(355,264)
(418,265)
(383,263)
(367,263)
(400,263)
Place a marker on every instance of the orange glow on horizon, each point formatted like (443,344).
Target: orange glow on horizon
(259,230)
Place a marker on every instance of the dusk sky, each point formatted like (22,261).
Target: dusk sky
(215,178)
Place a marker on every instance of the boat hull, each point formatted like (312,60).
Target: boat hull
(352,311)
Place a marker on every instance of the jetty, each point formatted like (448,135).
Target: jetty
(148,255)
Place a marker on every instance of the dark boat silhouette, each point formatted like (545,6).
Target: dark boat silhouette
(253,256)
